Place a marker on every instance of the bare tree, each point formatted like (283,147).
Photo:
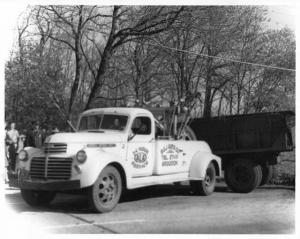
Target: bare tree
(67,25)
(123,28)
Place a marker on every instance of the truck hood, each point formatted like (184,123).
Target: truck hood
(86,137)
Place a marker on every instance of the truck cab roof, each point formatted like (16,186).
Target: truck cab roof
(119,110)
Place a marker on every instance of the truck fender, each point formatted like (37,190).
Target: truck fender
(31,151)
(97,160)
(199,164)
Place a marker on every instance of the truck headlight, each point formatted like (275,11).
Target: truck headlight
(81,156)
(23,156)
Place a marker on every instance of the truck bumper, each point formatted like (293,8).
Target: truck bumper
(45,185)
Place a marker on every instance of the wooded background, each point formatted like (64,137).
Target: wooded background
(70,58)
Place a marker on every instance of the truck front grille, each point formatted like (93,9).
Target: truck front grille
(55,148)
(37,168)
(51,168)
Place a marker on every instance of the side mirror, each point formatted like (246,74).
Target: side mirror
(131,136)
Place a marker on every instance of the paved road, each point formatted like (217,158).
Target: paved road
(166,209)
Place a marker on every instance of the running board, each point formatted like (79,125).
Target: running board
(154,180)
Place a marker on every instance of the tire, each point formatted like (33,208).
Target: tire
(37,198)
(259,171)
(207,186)
(105,194)
(243,175)
(188,134)
(267,174)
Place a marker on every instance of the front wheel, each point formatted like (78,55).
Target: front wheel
(37,198)
(207,186)
(104,195)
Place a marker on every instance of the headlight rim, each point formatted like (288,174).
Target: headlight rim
(85,156)
(26,156)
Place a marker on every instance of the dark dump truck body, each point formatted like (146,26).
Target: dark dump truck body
(247,144)
(252,133)
(243,141)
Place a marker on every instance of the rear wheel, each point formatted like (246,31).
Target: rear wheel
(37,198)
(267,174)
(188,134)
(260,175)
(207,186)
(243,175)
(104,195)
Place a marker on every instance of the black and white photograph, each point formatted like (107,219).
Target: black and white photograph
(149,118)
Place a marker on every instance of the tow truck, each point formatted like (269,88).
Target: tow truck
(114,149)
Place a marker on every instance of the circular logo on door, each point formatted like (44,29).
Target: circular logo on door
(140,157)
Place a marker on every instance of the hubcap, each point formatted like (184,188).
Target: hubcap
(207,181)
(208,177)
(107,188)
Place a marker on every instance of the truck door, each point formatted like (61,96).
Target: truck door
(140,151)
(172,156)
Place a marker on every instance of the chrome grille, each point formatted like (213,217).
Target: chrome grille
(55,148)
(53,168)
(58,168)
(37,168)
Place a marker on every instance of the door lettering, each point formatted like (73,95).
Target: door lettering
(170,155)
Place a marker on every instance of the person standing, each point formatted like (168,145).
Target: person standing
(6,153)
(29,141)
(44,135)
(12,139)
(55,130)
(38,136)
(21,142)
(7,143)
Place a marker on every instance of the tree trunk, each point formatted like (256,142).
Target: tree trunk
(208,88)
(76,82)
(77,63)
(238,100)
(220,103)
(105,57)
(100,74)
(230,102)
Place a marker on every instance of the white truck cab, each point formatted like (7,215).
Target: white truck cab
(112,149)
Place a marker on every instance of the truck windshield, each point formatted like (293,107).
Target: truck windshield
(103,122)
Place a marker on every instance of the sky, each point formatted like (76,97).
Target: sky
(282,16)
(281,13)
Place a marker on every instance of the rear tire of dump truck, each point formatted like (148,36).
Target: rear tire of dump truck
(105,194)
(37,198)
(243,175)
(267,174)
(207,186)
